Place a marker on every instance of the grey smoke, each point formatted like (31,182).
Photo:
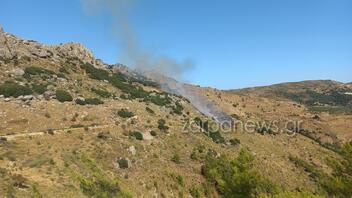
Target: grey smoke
(157,68)
(134,55)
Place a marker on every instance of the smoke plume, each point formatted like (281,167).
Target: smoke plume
(132,52)
(156,68)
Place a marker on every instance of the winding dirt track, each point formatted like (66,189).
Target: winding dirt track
(57,131)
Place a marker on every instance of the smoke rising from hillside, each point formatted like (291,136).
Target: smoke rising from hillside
(145,62)
(135,55)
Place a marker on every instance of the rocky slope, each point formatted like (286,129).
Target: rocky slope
(73,126)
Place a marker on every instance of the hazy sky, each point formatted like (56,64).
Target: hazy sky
(233,43)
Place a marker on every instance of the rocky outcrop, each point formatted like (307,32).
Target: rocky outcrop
(12,47)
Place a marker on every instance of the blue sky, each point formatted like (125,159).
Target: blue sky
(233,43)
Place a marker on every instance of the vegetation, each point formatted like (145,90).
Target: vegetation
(149,110)
(63,96)
(153,133)
(138,135)
(178,108)
(39,88)
(312,170)
(89,101)
(102,93)
(235,142)
(340,183)
(236,178)
(124,113)
(123,163)
(96,184)
(12,89)
(211,132)
(37,71)
(176,158)
(162,125)
(130,90)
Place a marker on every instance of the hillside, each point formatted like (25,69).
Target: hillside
(73,126)
(320,95)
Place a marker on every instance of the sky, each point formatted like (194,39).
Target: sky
(232,43)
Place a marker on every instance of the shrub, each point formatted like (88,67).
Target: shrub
(159,99)
(162,125)
(89,101)
(51,131)
(124,113)
(235,142)
(138,135)
(104,135)
(340,183)
(93,101)
(311,169)
(176,158)
(39,88)
(236,178)
(11,89)
(102,93)
(178,108)
(63,96)
(123,163)
(96,184)
(95,73)
(153,133)
(37,71)
(75,126)
(215,135)
(80,101)
(194,191)
(149,110)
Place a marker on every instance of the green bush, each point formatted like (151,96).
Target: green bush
(194,191)
(159,99)
(123,163)
(63,96)
(340,183)
(11,89)
(93,101)
(311,169)
(215,135)
(96,184)
(102,93)
(80,101)
(39,88)
(37,71)
(124,113)
(236,178)
(95,73)
(176,158)
(138,135)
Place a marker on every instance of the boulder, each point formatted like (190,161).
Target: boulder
(17,72)
(48,95)
(132,150)
(28,97)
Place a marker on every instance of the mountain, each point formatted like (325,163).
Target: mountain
(74,126)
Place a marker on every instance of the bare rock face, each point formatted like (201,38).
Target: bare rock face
(5,52)
(12,47)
